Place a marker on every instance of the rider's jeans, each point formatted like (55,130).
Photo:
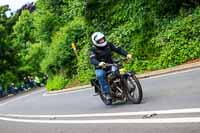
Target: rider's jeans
(101,74)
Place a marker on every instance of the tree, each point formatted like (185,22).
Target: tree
(23,30)
(9,60)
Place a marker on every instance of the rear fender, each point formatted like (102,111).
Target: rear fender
(95,83)
(92,81)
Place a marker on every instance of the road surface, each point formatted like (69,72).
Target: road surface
(170,105)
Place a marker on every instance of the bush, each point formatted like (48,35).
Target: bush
(60,57)
(179,41)
(7,78)
(57,82)
(84,69)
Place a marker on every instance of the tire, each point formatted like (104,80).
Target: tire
(105,101)
(98,90)
(133,86)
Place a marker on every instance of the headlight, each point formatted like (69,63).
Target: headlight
(122,71)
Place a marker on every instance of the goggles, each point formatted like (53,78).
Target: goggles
(100,41)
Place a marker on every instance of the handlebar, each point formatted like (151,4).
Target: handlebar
(116,62)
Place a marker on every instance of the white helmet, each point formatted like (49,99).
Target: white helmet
(98,39)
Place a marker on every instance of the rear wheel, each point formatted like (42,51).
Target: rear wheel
(95,83)
(134,89)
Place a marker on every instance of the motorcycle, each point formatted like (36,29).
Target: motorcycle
(124,86)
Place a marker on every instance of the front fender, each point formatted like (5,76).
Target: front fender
(128,74)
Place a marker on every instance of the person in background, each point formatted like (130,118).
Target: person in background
(12,89)
(44,79)
(31,82)
(26,83)
(37,81)
(1,91)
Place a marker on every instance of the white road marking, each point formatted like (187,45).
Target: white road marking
(21,97)
(67,92)
(158,112)
(110,121)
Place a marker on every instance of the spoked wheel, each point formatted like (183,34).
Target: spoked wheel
(105,101)
(134,90)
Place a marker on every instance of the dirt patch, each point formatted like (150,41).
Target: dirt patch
(192,61)
(74,83)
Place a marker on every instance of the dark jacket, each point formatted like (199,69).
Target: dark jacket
(98,54)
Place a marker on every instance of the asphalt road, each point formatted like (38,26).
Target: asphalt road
(170,104)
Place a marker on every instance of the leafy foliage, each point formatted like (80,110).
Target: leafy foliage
(57,82)
(31,61)
(9,61)
(158,37)
(179,41)
(23,30)
(60,57)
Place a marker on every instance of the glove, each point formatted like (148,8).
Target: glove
(129,56)
(102,64)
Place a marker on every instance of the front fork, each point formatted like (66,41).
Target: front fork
(124,79)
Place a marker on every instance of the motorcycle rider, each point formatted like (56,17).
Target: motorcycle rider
(100,54)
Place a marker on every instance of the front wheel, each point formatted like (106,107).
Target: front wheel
(134,89)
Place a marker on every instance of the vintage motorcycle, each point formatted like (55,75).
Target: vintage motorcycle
(124,85)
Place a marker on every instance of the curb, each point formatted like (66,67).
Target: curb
(70,89)
(170,70)
(20,93)
(141,76)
